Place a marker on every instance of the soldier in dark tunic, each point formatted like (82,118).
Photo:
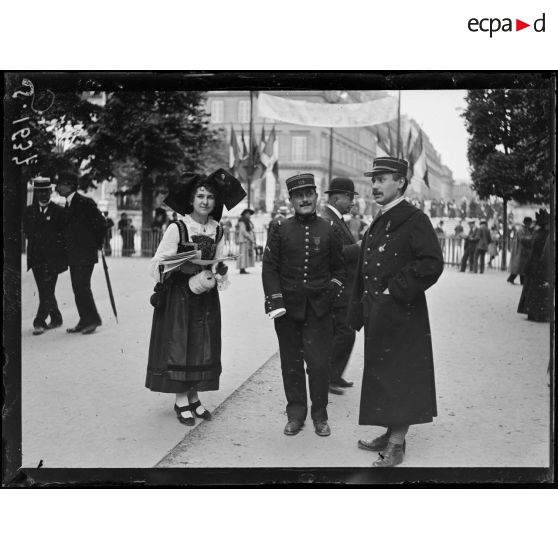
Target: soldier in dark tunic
(340,200)
(85,229)
(302,274)
(43,225)
(400,258)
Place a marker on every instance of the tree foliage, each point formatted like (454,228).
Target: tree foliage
(162,134)
(509,143)
(60,133)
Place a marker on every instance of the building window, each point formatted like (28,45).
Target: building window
(298,148)
(217,111)
(244,111)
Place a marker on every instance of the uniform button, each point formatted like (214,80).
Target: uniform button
(306,227)
(304,281)
(376,292)
(365,292)
(368,249)
(366,276)
(378,264)
(375,278)
(365,263)
(305,267)
(306,260)
(306,232)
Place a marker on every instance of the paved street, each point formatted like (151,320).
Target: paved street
(84,404)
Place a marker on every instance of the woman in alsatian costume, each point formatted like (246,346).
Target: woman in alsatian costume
(185,345)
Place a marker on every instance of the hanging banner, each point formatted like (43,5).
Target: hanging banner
(326,115)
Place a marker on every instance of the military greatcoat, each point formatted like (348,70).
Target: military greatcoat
(399,252)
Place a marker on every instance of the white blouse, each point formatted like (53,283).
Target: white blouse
(171,238)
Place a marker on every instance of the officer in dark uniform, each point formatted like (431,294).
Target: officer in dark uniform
(340,200)
(85,230)
(400,259)
(302,274)
(43,225)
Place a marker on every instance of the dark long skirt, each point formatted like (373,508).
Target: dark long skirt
(535,300)
(185,344)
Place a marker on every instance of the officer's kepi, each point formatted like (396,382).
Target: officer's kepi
(299,181)
(383,165)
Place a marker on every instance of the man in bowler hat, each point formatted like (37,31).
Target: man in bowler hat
(85,229)
(43,225)
(400,257)
(340,200)
(302,274)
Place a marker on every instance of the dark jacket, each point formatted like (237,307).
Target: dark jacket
(302,264)
(85,230)
(351,252)
(46,245)
(483,238)
(400,252)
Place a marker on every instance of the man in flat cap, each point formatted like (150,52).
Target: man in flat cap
(43,225)
(400,258)
(302,274)
(84,232)
(340,200)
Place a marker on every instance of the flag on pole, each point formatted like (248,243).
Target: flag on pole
(417,160)
(262,140)
(234,153)
(267,154)
(258,169)
(382,139)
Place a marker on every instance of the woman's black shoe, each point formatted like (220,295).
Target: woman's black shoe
(205,415)
(190,421)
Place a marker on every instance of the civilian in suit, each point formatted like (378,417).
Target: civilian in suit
(109,224)
(483,238)
(400,257)
(43,225)
(470,247)
(340,200)
(85,229)
(302,274)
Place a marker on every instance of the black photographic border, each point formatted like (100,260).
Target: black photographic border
(15,476)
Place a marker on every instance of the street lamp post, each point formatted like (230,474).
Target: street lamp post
(332,97)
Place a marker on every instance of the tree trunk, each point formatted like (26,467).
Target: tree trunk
(505,239)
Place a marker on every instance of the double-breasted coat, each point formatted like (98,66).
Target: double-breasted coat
(399,252)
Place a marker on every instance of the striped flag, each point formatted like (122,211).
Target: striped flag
(234,153)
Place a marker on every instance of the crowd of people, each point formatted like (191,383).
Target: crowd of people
(466,209)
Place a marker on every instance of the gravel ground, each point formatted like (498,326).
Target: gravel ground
(493,399)
(84,401)
(84,404)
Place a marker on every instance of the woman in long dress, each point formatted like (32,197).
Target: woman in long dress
(246,240)
(185,345)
